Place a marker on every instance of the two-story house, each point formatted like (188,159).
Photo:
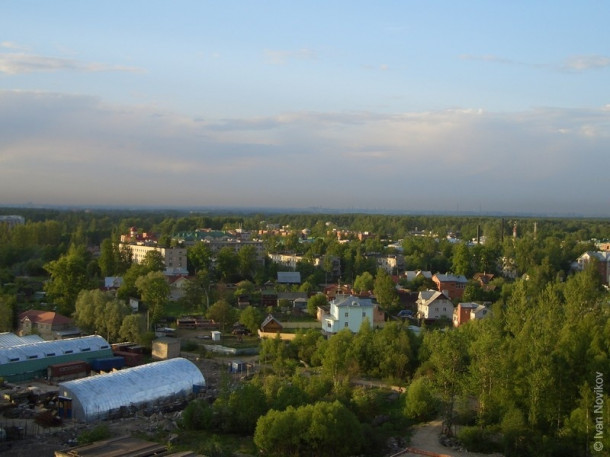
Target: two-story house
(465,312)
(348,311)
(452,286)
(432,304)
(48,324)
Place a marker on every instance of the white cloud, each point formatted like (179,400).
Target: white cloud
(586,62)
(280,57)
(20,63)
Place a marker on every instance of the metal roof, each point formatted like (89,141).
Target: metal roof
(43,349)
(8,340)
(94,398)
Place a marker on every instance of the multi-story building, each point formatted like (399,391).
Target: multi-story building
(174,259)
(603,261)
(219,239)
(348,311)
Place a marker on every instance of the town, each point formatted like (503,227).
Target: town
(275,334)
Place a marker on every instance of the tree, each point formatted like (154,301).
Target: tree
(462,260)
(316,301)
(309,430)
(197,292)
(223,313)
(100,312)
(364,282)
(199,257)
(154,261)
(132,328)
(420,403)
(154,291)
(227,264)
(108,259)
(252,318)
(68,278)
(336,361)
(247,261)
(385,291)
(7,312)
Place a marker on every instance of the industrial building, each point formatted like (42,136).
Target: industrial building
(103,396)
(25,360)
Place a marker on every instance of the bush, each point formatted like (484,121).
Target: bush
(97,433)
(198,415)
(477,439)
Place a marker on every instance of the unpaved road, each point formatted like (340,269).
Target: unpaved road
(426,438)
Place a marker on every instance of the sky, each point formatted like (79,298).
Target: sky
(415,106)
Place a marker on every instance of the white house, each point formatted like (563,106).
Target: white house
(347,311)
(432,304)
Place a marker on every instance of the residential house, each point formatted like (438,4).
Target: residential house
(48,324)
(432,304)
(451,285)
(393,264)
(603,261)
(465,312)
(348,311)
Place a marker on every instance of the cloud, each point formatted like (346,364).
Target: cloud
(280,57)
(66,149)
(577,63)
(586,62)
(20,63)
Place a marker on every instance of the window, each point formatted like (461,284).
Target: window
(69,351)
(363,314)
(32,356)
(85,349)
(50,354)
(346,314)
(346,325)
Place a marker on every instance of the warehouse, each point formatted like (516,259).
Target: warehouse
(103,396)
(24,362)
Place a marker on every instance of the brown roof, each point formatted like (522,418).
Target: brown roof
(44,317)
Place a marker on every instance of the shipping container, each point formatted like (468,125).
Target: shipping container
(132,359)
(68,370)
(108,364)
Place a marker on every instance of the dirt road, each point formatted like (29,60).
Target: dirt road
(426,438)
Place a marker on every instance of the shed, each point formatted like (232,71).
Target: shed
(100,397)
(271,324)
(165,348)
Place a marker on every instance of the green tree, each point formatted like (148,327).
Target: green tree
(385,291)
(316,301)
(421,405)
(462,260)
(364,282)
(68,278)
(227,264)
(108,258)
(223,313)
(247,261)
(132,328)
(7,312)
(199,257)
(154,261)
(154,290)
(252,318)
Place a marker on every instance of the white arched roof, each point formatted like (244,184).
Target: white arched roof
(44,349)
(96,396)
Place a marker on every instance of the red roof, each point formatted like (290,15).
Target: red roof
(44,317)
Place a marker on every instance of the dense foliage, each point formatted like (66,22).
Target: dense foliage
(520,382)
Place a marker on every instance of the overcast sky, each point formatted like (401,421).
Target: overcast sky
(478,106)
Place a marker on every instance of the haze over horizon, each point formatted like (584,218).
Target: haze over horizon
(405,106)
